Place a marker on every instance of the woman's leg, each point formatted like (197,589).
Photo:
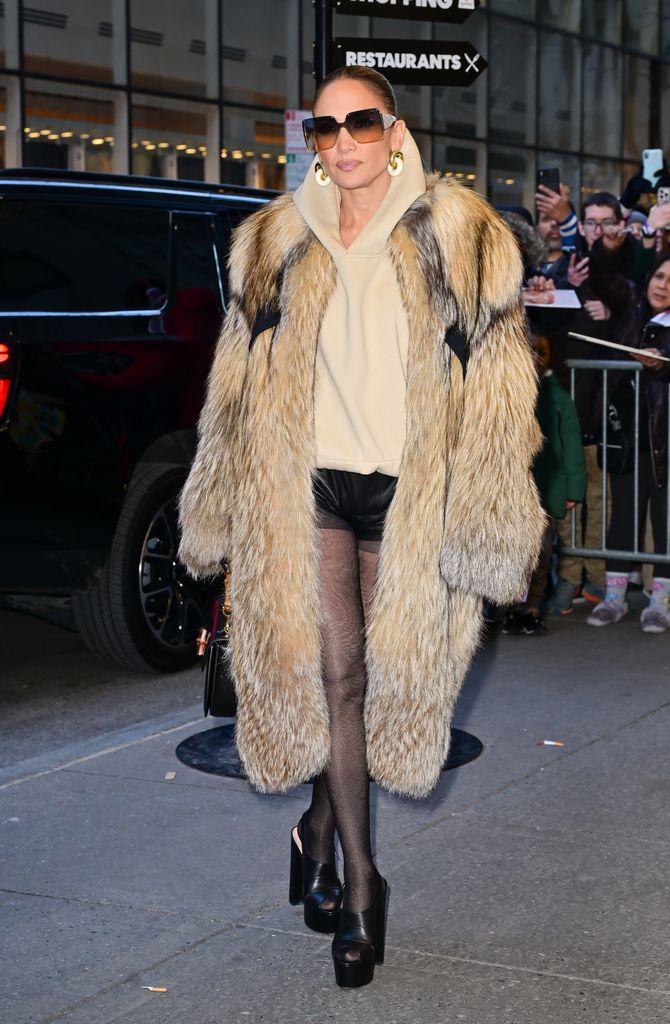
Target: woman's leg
(343,654)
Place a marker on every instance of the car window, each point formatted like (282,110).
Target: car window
(226,222)
(195,301)
(81,257)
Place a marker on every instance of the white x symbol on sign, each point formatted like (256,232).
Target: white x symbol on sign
(472,62)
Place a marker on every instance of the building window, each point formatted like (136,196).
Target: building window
(173,46)
(175,138)
(602,20)
(561,13)
(260,46)
(640,25)
(600,176)
(637,100)
(75,40)
(69,126)
(560,91)
(512,93)
(568,169)
(512,177)
(602,100)
(253,148)
(463,160)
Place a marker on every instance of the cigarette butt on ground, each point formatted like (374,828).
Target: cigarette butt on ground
(551,743)
(154,988)
(169,776)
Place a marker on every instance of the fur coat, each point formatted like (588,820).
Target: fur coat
(465,521)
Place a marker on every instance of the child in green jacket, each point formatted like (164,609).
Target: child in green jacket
(560,476)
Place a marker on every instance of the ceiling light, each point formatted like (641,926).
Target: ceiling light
(471,177)
(163,145)
(150,145)
(281,159)
(191,150)
(181,146)
(97,142)
(509,181)
(54,137)
(85,135)
(66,135)
(33,135)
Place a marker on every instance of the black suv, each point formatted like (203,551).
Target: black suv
(112,291)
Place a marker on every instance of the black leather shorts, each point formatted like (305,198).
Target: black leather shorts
(360,499)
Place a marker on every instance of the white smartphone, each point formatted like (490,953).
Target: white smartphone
(652,164)
(663,195)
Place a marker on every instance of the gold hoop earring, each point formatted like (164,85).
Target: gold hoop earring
(322,178)
(396,164)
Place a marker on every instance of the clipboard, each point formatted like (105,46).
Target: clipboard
(617,345)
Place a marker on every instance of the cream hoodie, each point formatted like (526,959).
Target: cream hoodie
(361,360)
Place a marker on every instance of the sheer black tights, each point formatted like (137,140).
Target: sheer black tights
(340,797)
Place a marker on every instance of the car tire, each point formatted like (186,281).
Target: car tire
(144,611)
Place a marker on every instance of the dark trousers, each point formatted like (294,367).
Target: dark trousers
(621,535)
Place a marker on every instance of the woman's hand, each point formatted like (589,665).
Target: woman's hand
(570,505)
(649,359)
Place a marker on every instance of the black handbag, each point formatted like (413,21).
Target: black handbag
(219,697)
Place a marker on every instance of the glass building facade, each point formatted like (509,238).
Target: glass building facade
(198,88)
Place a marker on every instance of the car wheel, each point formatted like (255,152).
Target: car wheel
(144,611)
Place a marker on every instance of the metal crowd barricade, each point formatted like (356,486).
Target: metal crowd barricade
(634,555)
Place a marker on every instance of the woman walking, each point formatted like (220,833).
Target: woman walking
(363,462)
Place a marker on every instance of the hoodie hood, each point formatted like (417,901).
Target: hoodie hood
(320,207)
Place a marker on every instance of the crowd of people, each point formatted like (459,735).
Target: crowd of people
(602,272)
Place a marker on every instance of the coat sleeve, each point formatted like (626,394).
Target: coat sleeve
(494,522)
(206,503)
(574,468)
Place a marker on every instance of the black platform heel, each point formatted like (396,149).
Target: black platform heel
(313,883)
(363,932)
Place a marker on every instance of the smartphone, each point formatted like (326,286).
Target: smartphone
(663,195)
(551,177)
(652,164)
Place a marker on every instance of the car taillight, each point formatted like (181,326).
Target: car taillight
(5,383)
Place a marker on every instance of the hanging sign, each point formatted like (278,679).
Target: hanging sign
(454,11)
(413,62)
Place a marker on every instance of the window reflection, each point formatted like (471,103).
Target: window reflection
(74,40)
(560,93)
(637,100)
(640,25)
(602,113)
(512,82)
(602,20)
(561,13)
(512,177)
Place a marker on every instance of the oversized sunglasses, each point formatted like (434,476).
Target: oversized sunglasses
(363,126)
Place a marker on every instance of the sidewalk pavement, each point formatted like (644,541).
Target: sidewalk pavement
(531,888)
